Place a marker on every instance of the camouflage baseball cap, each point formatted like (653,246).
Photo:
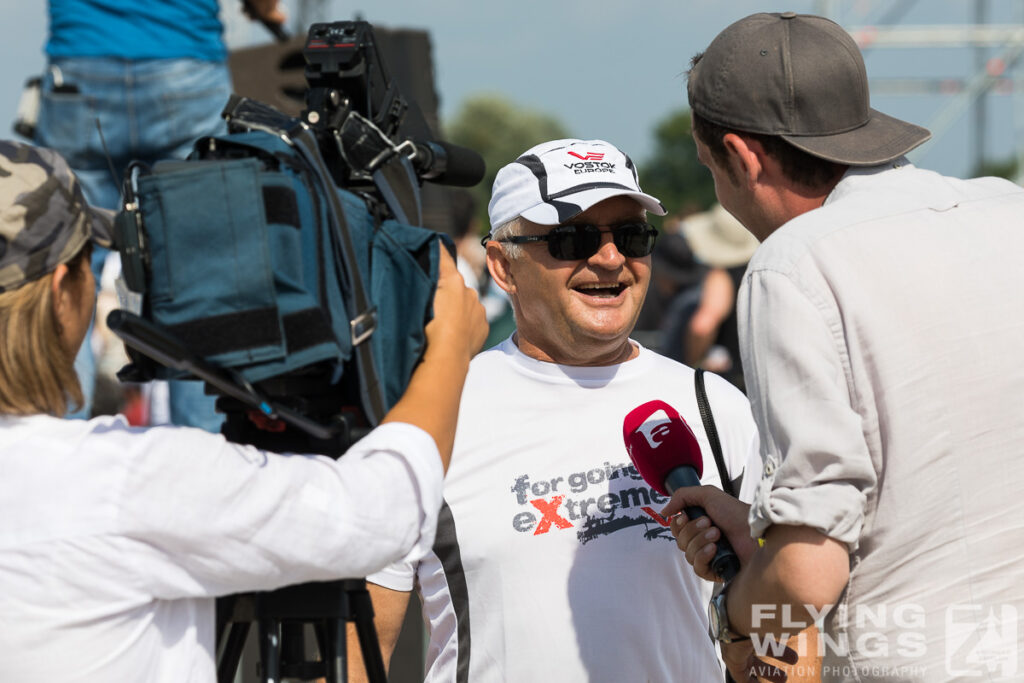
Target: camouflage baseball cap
(44,219)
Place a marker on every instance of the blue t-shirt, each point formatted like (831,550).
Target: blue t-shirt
(136,29)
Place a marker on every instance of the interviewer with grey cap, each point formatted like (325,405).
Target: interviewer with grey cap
(881,330)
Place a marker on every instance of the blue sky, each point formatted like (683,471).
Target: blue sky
(610,69)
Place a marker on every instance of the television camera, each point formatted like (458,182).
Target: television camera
(281,264)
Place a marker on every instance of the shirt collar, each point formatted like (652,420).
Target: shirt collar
(857,177)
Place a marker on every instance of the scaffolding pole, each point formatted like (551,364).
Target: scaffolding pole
(983,38)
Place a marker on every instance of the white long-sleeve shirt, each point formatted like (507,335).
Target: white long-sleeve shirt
(115,540)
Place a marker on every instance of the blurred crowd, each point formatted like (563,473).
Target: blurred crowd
(690,311)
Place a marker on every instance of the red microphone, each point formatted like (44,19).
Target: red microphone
(666,454)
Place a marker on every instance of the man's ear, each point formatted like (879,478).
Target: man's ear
(746,157)
(499,266)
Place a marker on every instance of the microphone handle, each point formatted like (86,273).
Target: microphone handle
(725,564)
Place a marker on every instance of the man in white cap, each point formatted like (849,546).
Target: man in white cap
(881,327)
(550,561)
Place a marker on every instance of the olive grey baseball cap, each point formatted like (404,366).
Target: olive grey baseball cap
(802,78)
(44,219)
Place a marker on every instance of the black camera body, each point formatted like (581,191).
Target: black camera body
(342,57)
(283,264)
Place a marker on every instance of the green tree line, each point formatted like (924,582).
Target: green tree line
(500,130)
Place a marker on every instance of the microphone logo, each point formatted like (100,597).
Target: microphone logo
(658,439)
(652,424)
(656,428)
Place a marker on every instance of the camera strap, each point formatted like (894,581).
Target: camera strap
(364,321)
(708,418)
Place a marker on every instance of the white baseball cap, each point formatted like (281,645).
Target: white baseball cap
(555,181)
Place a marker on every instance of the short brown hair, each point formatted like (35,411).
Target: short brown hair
(37,372)
(799,166)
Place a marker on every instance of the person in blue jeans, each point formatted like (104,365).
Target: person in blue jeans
(153,77)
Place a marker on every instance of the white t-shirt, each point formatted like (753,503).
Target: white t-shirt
(551,561)
(114,540)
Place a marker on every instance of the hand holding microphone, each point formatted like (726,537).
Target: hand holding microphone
(726,518)
(666,454)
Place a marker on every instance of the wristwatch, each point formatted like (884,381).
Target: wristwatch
(718,619)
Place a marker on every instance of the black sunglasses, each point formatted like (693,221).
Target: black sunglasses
(581,241)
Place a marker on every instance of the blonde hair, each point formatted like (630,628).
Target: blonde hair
(37,371)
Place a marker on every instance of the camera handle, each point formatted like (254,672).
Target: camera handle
(153,341)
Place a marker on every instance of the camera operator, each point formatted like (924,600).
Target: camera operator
(114,541)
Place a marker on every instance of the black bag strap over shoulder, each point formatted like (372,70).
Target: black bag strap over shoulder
(364,321)
(257,116)
(712,431)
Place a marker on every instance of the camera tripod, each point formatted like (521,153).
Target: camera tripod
(281,617)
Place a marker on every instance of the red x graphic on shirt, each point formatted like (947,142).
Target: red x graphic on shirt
(551,516)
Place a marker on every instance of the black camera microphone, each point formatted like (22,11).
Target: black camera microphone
(448,164)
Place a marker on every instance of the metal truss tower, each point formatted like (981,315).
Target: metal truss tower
(995,51)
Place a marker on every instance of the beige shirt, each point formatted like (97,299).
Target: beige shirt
(883,342)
